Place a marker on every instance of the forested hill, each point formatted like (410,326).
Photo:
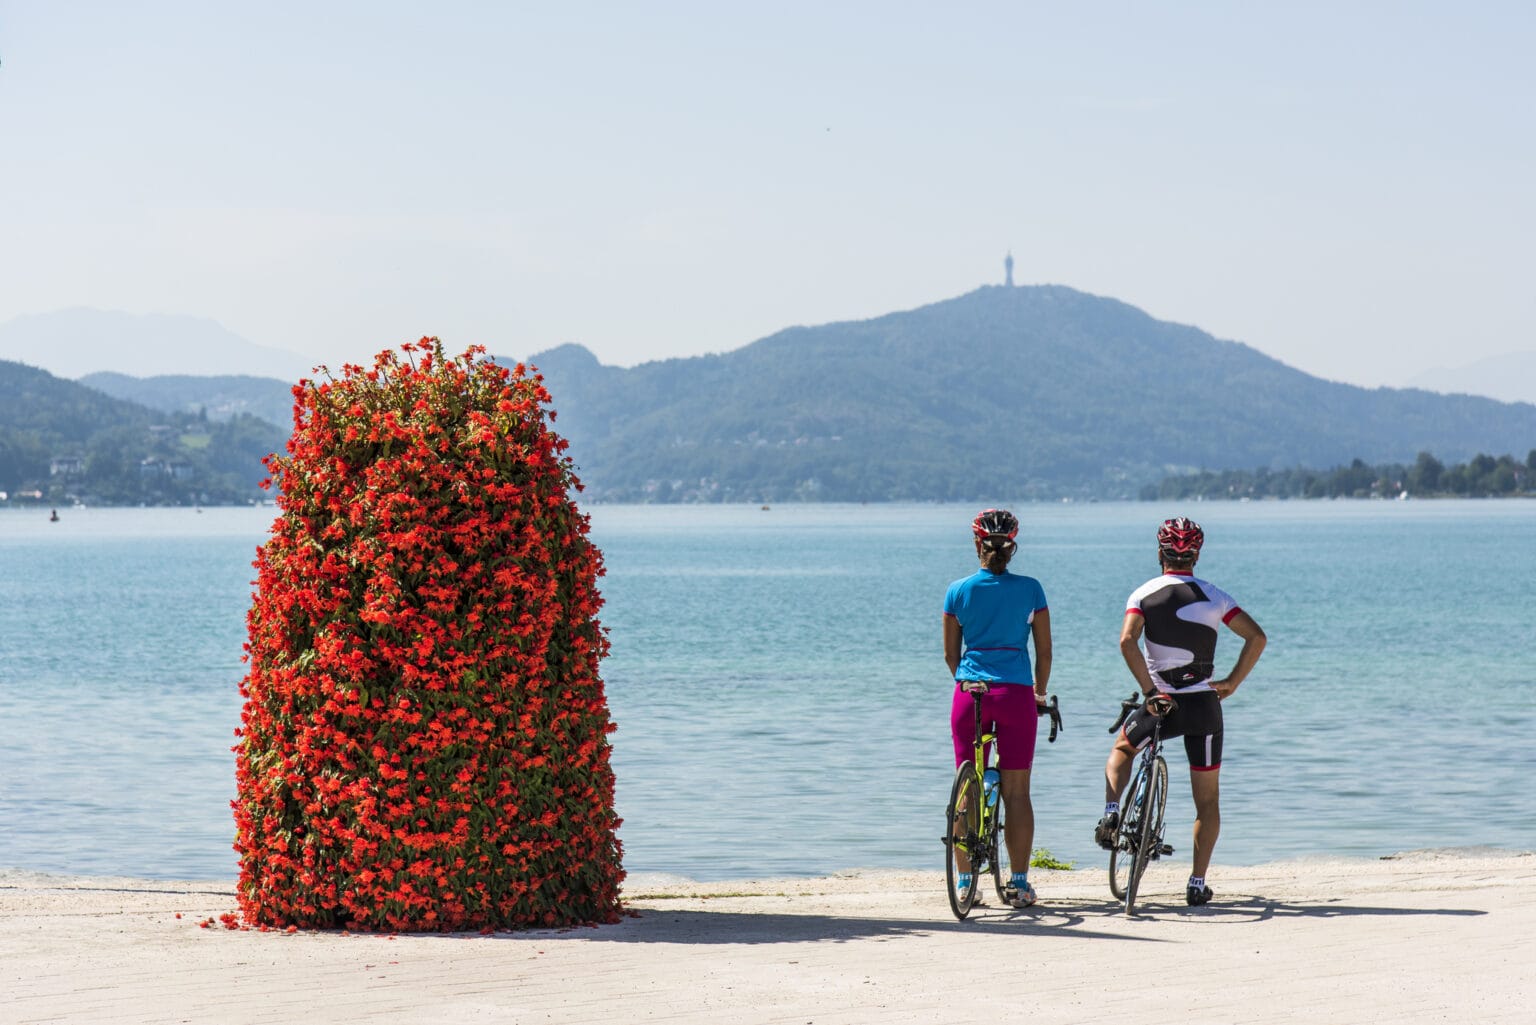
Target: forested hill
(219,397)
(61,441)
(1004,392)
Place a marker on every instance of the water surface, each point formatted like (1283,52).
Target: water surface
(779,687)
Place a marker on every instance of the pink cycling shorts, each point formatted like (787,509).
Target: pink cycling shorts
(1008,710)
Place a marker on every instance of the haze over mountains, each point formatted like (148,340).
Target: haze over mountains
(1510,377)
(73,343)
(78,342)
(218,398)
(1011,392)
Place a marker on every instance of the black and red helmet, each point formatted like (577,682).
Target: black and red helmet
(995,523)
(1180,538)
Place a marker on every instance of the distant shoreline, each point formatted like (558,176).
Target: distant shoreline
(796,502)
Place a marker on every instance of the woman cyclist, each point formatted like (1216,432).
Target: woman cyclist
(989,619)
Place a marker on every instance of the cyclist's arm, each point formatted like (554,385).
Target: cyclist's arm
(1130,650)
(952,635)
(1040,631)
(1254,640)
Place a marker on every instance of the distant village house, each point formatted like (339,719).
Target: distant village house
(150,467)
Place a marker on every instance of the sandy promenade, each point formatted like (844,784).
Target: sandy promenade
(1417,938)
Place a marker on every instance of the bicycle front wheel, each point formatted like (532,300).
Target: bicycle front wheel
(1122,857)
(997,848)
(1154,800)
(1159,806)
(963,842)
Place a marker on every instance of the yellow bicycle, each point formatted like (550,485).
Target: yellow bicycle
(974,819)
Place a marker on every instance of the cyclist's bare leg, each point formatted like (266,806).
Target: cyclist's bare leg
(1117,770)
(1206,787)
(1019,817)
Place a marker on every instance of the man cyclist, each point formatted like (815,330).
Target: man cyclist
(1175,617)
(990,617)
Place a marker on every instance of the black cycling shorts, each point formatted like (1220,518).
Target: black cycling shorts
(1197,720)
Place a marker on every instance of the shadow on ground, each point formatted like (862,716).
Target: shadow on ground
(666,925)
(1062,918)
(1263,909)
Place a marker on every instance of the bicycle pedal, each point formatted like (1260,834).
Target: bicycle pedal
(1164,849)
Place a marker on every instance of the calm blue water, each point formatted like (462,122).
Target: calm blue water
(779,687)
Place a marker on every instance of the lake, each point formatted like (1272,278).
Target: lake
(778,681)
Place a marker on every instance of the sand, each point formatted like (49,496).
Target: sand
(1424,937)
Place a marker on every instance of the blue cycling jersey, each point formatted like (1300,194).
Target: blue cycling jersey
(996,612)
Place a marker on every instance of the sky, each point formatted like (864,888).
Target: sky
(1343,186)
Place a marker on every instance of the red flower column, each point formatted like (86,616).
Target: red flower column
(424,739)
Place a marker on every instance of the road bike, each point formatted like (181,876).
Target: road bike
(1139,838)
(973,834)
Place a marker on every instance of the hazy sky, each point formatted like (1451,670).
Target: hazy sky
(1345,186)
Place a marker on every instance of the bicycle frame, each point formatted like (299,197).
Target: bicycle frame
(1139,837)
(983,747)
(978,837)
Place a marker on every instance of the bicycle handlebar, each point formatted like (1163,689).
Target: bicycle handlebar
(1050,708)
(1135,701)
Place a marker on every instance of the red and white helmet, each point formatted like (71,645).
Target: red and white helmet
(1180,538)
(995,523)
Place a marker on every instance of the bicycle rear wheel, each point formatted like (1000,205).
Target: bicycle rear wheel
(1150,828)
(1122,858)
(963,848)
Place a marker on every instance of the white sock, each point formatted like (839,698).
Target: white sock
(1111,807)
(1197,882)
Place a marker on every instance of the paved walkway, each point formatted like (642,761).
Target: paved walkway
(1421,938)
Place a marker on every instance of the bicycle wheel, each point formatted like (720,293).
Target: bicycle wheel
(1150,828)
(963,853)
(1159,807)
(1122,857)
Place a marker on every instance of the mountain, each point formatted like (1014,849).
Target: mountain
(70,343)
(1003,393)
(62,441)
(1510,378)
(219,397)
(1023,392)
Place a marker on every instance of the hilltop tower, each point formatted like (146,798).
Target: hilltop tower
(1008,269)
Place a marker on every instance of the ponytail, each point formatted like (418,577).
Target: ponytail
(996,553)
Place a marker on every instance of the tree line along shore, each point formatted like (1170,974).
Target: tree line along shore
(1483,476)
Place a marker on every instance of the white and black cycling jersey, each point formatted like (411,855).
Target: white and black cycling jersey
(1182,615)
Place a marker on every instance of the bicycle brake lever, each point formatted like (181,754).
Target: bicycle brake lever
(1126,708)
